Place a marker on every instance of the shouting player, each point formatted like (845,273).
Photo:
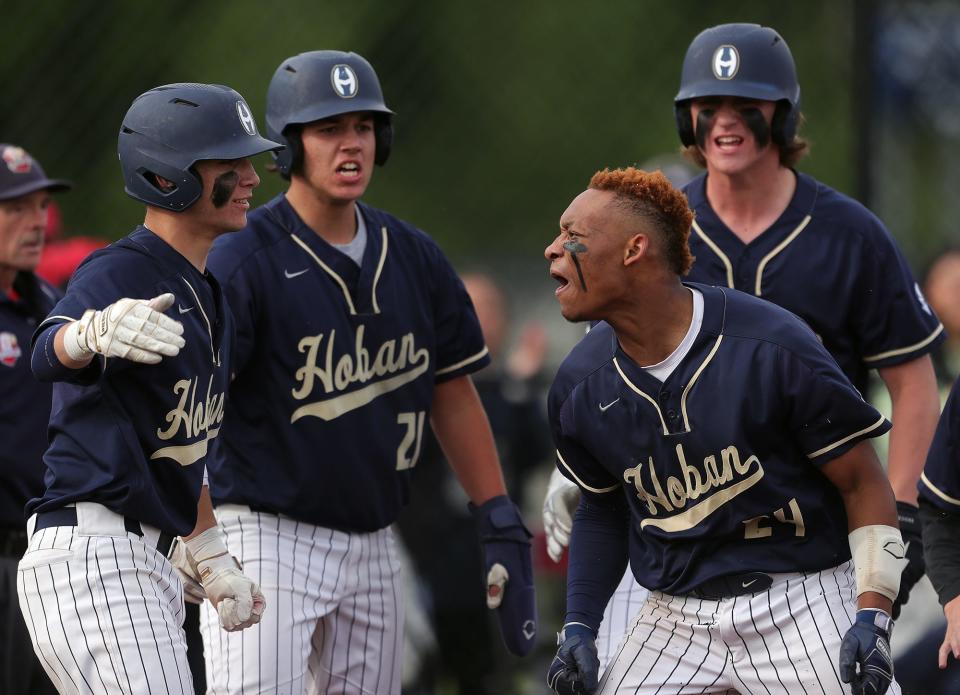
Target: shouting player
(138,402)
(768,230)
(354,332)
(717,445)
(25,300)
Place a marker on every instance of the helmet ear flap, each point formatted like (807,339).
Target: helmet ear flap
(681,112)
(383,132)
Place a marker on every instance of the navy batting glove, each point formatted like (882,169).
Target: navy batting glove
(865,660)
(576,668)
(911,530)
(508,571)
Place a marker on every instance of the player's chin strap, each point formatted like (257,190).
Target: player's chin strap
(878,555)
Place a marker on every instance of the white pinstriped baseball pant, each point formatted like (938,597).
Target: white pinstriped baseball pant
(785,640)
(334,617)
(104,608)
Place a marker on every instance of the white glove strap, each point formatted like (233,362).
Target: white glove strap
(210,553)
(878,558)
(75,337)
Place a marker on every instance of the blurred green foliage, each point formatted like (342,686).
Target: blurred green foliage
(504,109)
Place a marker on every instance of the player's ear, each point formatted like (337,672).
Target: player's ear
(637,247)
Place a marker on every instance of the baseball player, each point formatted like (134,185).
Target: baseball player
(354,333)
(139,350)
(940,514)
(716,444)
(25,300)
(768,230)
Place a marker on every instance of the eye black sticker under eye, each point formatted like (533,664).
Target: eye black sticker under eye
(573,248)
(223,188)
(704,122)
(757,124)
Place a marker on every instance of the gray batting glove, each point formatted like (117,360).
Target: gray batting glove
(238,600)
(186,567)
(132,329)
(559,506)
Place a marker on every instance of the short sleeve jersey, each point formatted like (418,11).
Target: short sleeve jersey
(336,365)
(24,401)
(130,436)
(831,262)
(719,463)
(940,481)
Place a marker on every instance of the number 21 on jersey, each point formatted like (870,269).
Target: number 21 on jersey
(409,450)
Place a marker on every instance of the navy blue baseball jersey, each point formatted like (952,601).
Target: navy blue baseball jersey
(134,437)
(831,262)
(940,482)
(719,463)
(24,401)
(336,365)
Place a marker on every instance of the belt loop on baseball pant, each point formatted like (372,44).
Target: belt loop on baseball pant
(93,519)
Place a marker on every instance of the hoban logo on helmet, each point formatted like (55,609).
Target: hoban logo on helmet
(246,118)
(726,62)
(344,81)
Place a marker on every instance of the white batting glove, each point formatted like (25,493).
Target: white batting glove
(238,600)
(186,567)
(559,506)
(132,329)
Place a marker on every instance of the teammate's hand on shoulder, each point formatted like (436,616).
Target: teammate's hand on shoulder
(238,600)
(508,571)
(865,660)
(559,506)
(576,667)
(186,567)
(132,329)
(915,567)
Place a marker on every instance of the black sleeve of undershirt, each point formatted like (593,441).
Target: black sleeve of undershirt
(598,556)
(941,550)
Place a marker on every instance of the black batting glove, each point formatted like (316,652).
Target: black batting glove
(576,667)
(508,571)
(916,567)
(865,660)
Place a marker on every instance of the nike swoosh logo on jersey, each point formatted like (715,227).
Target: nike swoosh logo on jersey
(287,274)
(746,584)
(605,408)
(182,310)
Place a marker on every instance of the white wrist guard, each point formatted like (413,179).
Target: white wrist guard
(75,337)
(878,556)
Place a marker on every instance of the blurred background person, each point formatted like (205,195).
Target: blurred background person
(468,659)
(25,300)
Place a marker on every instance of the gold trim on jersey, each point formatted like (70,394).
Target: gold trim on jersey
(641,393)
(186,454)
(213,353)
(333,408)
(329,271)
(716,249)
(454,367)
(580,482)
(376,276)
(51,319)
(686,390)
(777,249)
(904,350)
(846,439)
(938,492)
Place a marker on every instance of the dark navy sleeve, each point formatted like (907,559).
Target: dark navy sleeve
(460,345)
(940,481)
(894,323)
(822,409)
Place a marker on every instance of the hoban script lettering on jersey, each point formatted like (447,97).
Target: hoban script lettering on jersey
(394,363)
(198,420)
(679,501)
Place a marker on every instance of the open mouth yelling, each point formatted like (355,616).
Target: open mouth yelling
(561,280)
(349,170)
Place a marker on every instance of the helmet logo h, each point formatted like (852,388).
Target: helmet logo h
(246,118)
(726,62)
(344,81)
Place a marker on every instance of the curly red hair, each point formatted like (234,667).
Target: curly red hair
(651,196)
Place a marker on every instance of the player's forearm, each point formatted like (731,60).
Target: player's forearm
(915,410)
(205,516)
(49,359)
(464,434)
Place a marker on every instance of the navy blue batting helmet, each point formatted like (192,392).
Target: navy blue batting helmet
(320,84)
(740,60)
(170,128)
